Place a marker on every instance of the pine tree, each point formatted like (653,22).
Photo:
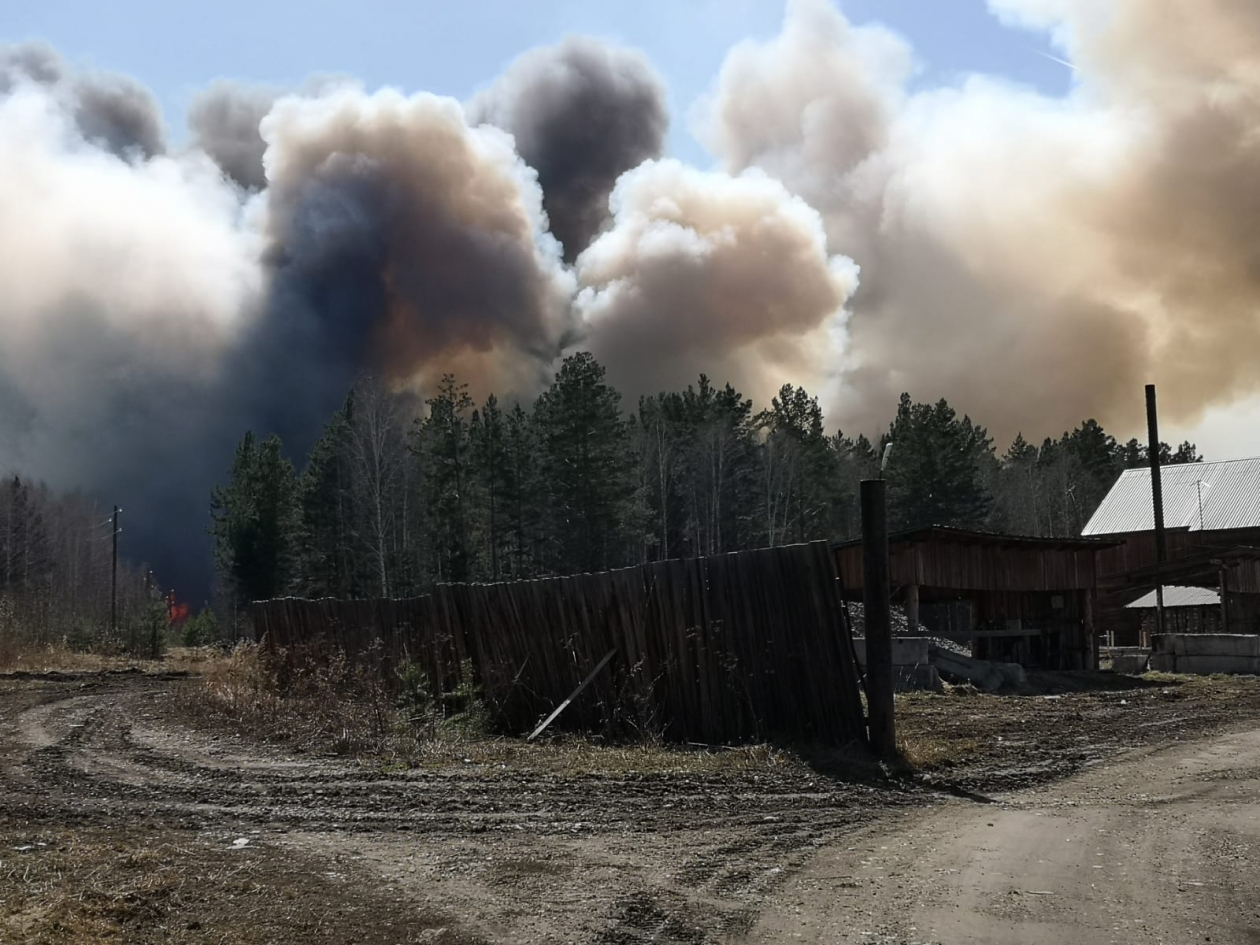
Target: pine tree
(521,493)
(586,468)
(441,442)
(800,480)
(491,484)
(855,460)
(326,556)
(939,469)
(255,521)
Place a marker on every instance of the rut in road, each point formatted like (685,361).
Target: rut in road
(613,857)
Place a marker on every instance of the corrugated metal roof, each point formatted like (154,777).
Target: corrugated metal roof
(1197,496)
(1179,597)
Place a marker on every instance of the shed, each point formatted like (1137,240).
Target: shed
(1186,609)
(1210,510)
(1019,599)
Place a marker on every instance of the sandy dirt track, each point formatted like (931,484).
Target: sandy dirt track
(1161,848)
(120,823)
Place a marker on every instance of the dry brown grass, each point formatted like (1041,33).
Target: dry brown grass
(928,753)
(92,886)
(47,657)
(57,657)
(329,707)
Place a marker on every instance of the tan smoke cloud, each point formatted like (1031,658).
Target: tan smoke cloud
(406,229)
(705,271)
(1033,259)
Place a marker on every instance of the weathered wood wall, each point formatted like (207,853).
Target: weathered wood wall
(945,562)
(722,649)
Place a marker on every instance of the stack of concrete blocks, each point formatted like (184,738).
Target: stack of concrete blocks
(983,674)
(1129,660)
(912,667)
(1205,653)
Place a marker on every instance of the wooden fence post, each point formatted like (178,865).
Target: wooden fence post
(879,676)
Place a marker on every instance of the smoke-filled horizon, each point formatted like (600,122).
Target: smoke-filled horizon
(1033,259)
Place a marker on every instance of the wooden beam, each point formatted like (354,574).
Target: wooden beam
(878,618)
(576,692)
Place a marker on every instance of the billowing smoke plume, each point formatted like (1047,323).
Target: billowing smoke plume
(706,269)
(582,114)
(405,239)
(1034,259)
(111,111)
(126,281)
(224,120)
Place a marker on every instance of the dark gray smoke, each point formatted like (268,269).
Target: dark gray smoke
(582,113)
(112,111)
(224,120)
(406,241)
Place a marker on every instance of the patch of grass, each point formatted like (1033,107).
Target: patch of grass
(332,707)
(929,753)
(1168,679)
(46,657)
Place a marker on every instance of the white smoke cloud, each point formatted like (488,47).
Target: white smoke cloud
(1034,259)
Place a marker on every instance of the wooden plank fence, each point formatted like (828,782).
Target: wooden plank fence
(723,649)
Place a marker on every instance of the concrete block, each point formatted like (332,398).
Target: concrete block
(916,678)
(906,651)
(1220,644)
(1132,662)
(983,674)
(1207,665)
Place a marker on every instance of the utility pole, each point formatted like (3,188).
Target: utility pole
(113,596)
(879,674)
(1157,499)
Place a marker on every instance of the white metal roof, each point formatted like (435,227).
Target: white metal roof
(1197,496)
(1179,597)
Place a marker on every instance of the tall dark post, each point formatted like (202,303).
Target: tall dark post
(113,594)
(1157,498)
(879,675)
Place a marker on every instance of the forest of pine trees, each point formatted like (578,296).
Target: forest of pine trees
(394,498)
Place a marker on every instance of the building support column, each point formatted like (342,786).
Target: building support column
(1224,600)
(912,608)
(1091,634)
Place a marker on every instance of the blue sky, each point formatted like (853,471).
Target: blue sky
(455,46)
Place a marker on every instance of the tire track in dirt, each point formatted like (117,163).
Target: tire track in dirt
(526,855)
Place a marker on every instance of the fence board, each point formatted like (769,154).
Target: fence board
(721,649)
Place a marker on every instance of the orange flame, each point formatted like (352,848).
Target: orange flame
(176,611)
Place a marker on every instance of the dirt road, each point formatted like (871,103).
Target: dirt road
(118,822)
(1161,848)
(264,846)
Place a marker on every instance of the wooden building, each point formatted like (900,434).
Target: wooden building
(1186,610)
(1212,522)
(1024,600)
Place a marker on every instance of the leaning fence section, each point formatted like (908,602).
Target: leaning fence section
(719,649)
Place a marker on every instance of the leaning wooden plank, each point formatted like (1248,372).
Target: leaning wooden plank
(576,692)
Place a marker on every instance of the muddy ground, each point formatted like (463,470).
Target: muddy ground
(120,820)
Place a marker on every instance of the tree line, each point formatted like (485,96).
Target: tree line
(393,498)
(56,573)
